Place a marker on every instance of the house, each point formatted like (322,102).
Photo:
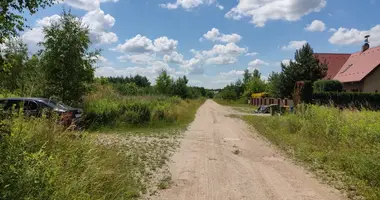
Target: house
(359,72)
(334,62)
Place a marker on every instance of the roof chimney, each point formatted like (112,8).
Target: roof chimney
(365,47)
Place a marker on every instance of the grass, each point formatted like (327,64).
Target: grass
(240,105)
(342,146)
(105,109)
(242,102)
(41,160)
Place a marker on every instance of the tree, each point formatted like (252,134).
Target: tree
(246,76)
(304,68)
(180,88)
(141,81)
(255,85)
(11,15)
(256,74)
(164,83)
(274,85)
(67,61)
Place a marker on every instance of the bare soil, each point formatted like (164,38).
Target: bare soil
(221,158)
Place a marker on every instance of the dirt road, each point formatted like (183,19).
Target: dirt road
(220,158)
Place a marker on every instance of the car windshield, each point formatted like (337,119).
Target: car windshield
(57,104)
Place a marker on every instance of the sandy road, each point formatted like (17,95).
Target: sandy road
(220,159)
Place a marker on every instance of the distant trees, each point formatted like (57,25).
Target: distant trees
(140,81)
(66,60)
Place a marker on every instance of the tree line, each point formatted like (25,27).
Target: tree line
(64,68)
(304,67)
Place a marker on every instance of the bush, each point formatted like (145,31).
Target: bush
(344,144)
(349,99)
(307,92)
(40,160)
(328,86)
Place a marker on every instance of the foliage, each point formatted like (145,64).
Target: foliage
(343,144)
(164,83)
(140,81)
(23,74)
(349,99)
(328,86)
(254,85)
(66,60)
(274,85)
(179,88)
(11,15)
(307,92)
(40,160)
(107,108)
(305,67)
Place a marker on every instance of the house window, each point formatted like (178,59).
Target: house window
(354,90)
(375,91)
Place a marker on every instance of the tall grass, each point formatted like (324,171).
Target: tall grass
(105,108)
(343,144)
(40,160)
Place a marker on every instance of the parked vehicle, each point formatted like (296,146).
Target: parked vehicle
(38,106)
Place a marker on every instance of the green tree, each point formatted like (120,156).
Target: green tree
(164,83)
(246,76)
(254,85)
(305,67)
(274,85)
(180,88)
(11,15)
(256,74)
(67,61)
(23,74)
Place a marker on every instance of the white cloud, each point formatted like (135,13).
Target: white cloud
(87,5)
(142,44)
(286,61)
(257,62)
(230,49)
(315,26)
(33,36)
(98,23)
(252,54)
(189,4)
(215,35)
(344,36)
(261,11)
(164,44)
(232,73)
(293,45)
(143,58)
(174,57)
(332,30)
(221,60)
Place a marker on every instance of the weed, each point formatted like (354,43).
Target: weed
(342,144)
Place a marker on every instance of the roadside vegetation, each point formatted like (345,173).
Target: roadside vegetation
(341,145)
(129,127)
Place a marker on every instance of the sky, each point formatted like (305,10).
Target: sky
(212,42)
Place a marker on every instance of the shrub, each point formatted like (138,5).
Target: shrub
(40,160)
(344,144)
(349,99)
(328,86)
(307,92)
(136,113)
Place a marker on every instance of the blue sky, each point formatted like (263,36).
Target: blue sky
(212,41)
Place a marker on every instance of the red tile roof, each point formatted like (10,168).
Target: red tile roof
(334,62)
(359,65)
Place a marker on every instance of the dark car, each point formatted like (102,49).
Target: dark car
(38,106)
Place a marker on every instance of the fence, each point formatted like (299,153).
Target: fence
(270,101)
